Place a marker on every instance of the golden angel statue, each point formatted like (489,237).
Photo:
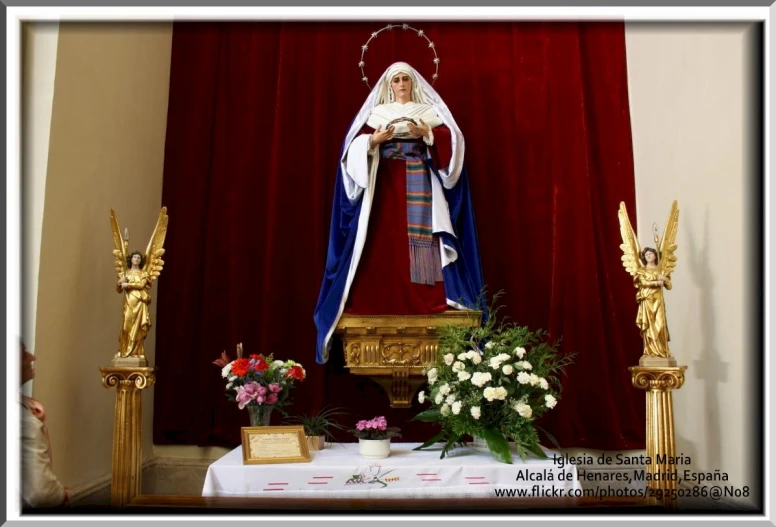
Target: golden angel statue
(651,270)
(136,273)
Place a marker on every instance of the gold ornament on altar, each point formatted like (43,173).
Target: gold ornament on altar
(651,271)
(136,273)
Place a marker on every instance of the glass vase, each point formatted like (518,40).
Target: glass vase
(479,444)
(259,414)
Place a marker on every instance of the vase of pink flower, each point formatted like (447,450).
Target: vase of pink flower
(259,383)
(259,414)
(374,437)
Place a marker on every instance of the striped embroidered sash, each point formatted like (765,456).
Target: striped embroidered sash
(425,264)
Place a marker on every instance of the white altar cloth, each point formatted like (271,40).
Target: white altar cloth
(339,471)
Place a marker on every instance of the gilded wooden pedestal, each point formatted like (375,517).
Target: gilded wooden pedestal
(393,350)
(659,382)
(127,454)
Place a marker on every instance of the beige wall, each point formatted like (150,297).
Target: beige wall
(108,128)
(690,87)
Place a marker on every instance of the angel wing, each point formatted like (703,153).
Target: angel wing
(667,247)
(631,257)
(155,250)
(120,251)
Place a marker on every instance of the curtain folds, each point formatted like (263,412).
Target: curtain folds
(257,113)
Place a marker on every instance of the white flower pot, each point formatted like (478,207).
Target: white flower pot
(374,448)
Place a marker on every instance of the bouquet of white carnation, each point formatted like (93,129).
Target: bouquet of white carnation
(492,383)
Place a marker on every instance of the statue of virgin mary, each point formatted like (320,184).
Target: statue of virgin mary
(402,238)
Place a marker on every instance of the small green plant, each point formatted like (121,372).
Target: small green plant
(320,423)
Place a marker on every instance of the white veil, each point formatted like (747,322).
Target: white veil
(424,93)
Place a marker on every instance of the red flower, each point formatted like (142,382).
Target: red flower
(296,372)
(257,357)
(240,367)
(261,364)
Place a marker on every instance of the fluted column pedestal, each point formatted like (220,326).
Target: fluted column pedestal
(659,382)
(127,452)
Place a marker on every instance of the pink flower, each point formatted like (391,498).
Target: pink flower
(246,394)
(262,389)
(275,388)
(260,399)
(375,428)
(380,423)
(272,398)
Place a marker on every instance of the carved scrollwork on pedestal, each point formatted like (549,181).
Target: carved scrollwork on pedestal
(394,349)
(658,380)
(354,357)
(401,354)
(111,380)
(140,378)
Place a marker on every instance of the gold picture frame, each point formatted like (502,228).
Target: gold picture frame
(274,444)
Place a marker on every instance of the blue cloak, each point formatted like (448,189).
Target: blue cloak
(463,277)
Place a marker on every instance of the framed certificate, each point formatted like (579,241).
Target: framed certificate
(274,444)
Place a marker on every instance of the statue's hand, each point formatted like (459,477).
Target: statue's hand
(380,136)
(419,131)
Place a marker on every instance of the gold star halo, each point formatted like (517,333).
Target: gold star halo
(405,27)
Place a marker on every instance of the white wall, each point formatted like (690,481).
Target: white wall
(38,67)
(690,88)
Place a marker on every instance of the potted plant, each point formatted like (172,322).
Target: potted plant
(374,438)
(492,383)
(319,425)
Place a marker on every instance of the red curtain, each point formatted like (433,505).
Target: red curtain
(257,115)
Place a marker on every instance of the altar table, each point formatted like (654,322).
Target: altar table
(339,471)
